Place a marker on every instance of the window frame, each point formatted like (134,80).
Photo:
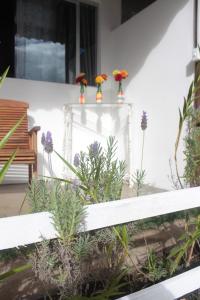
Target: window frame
(95,4)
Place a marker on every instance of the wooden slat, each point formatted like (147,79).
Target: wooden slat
(10,112)
(13,103)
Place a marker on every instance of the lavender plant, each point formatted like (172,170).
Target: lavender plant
(99,172)
(139,175)
(47,142)
(192,150)
(63,263)
(184,115)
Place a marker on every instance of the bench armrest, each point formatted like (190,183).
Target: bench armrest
(34,129)
(33,138)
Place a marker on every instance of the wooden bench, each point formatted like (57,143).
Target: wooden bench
(23,140)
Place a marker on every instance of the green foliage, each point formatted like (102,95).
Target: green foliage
(61,200)
(14,271)
(183,252)
(99,172)
(84,243)
(63,262)
(155,267)
(184,114)
(3,76)
(112,289)
(138,180)
(39,195)
(192,150)
(68,212)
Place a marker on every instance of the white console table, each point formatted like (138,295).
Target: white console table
(68,126)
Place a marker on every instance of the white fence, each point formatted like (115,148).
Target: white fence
(27,229)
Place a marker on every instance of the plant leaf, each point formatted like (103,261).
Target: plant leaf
(10,133)
(6,166)
(15,271)
(70,166)
(2,78)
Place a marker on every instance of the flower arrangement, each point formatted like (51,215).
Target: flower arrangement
(80,79)
(99,80)
(119,75)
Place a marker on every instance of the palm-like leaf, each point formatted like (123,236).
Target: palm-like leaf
(10,132)
(2,144)
(2,78)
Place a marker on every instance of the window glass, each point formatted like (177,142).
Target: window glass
(45,41)
(41,39)
(88,41)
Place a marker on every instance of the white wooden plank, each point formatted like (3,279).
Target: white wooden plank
(169,289)
(137,208)
(26,229)
(23,230)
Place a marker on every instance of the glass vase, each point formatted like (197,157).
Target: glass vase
(99,95)
(120,94)
(82,99)
(82,96)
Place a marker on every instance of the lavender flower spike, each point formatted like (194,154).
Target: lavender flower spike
(48,143)
(144,121)
(43,139)
(76,160)
(94,148)
(75,184)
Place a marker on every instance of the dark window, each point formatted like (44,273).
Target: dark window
(7,36)
(133,7)
(40,40)
(88,40)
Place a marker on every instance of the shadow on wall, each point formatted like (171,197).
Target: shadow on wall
(149,27)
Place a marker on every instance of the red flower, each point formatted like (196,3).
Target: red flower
(80,77)
(118,77)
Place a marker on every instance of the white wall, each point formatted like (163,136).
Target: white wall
(155,47)
(46,100)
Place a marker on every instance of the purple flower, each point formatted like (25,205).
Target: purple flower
(87,198)
(43,139)
(144,121)
(47,142)
(75,184)
(76,160)
(94,148)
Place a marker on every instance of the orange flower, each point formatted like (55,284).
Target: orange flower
(104,76)
(124,74)
(84,82)
(99,79)
(120,74)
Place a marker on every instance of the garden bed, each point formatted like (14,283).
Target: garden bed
(26,286)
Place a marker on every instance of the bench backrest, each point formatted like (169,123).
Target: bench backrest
(10,112)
